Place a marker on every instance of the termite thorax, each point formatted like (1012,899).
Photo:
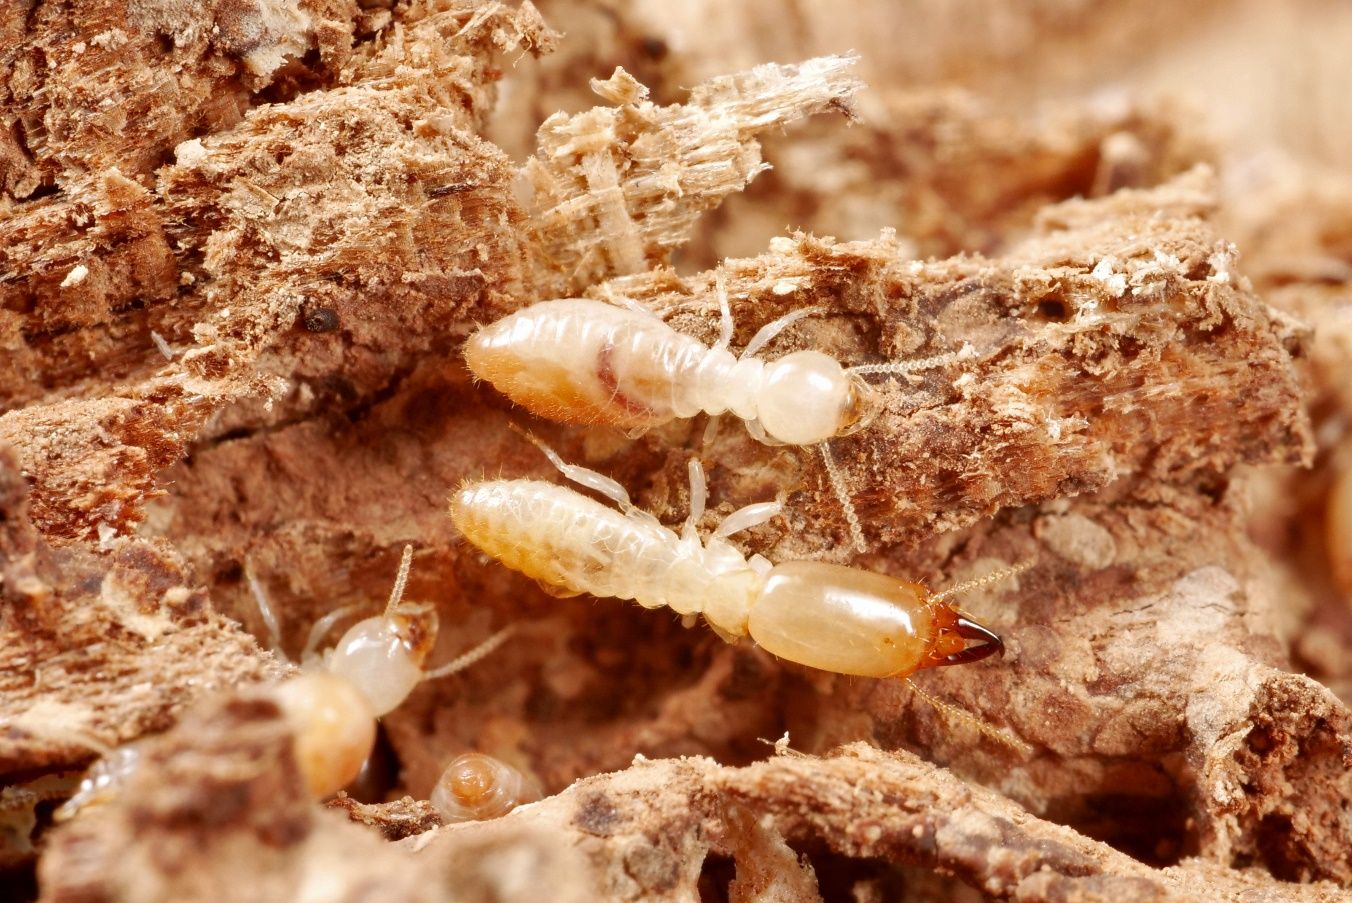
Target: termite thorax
(723,382)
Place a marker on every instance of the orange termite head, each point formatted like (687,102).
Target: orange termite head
(851,621)
(952,631)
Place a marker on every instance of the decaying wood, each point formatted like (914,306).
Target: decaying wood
(229,333)
(101,649)
(616,190)
(639,834)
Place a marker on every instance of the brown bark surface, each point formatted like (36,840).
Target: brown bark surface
(242,242)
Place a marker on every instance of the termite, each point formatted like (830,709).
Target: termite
(825,616)
(333,705)
(580,361)
(476,787)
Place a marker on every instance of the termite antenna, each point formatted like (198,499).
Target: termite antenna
(269,616)
(474,655)
(1009,741)
(843,496)
(900,368)
(994,577)
(397,593)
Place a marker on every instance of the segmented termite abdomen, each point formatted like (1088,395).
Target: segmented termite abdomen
(545,531)
(580,361)
(333,727)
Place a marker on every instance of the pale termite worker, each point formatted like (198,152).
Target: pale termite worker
(825,616)
(332,705)
(581,361)
(476,787)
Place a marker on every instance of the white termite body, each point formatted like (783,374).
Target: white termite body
(333,705)
(825,616)
(575,360)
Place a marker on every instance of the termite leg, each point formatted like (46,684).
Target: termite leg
(742,519)
(630,304)
(710,431)
(724,316)
(320,629)
(747,517)
(584,477)
(767,333)
(759,434)
(760,564)
(699,496)
(260,595)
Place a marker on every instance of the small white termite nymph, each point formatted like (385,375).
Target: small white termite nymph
(825,616)
(334,704)
(476,787)
(580,361)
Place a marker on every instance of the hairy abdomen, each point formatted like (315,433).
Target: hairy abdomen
(566,540)
(581,361)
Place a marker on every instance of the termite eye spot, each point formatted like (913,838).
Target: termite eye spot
(320,319)
(654,48)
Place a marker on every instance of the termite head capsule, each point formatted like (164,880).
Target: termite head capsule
(808,397)
(384,655)
(855,622)
(953,633)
